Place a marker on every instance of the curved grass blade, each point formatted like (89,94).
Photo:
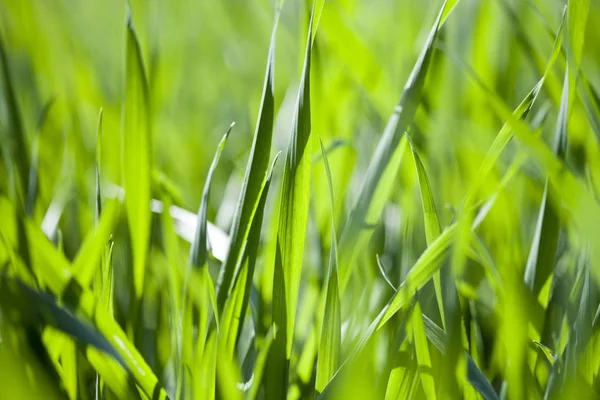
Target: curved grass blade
(199,250)
(291,234)
(331,330)
(382,269)
(256,171)
(136,156)
(352,241)
(432,222)
(198,256)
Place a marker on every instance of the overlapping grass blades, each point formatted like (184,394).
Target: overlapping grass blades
(291,233)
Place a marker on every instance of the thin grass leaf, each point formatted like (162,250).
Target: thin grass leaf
(98,197)
(16,140)
(261,360)
(432,222)
(255,174)
(199,250)
(382,269)
(352,241)
(237,304)
(291,233)
(545,243)
(423,357)
(331,330)
(198,256)
(402,384)
(136,156)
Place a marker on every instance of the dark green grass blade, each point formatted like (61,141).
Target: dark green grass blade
(291,234)
(32,190)
(98,198)
(331,330)
(16,131)
(36,307)
(261,360)
(438,338)
(256,171)
(351,242)
(199,250)
(136,156)
(541,260)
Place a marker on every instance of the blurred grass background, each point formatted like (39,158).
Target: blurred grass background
(205,64)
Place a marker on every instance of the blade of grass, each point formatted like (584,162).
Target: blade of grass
(261,360)
(291,233)
(423,357)
(16,140)
(352,241)
(198,256)
(542,254)
(256,171)
(237,304)
(432,223)
(136,158)
(331,330)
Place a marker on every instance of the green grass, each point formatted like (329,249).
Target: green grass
(268,200)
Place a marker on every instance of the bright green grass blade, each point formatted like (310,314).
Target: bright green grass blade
(199,250)
(236,305)
(16,140)
(172,252)
(422,350)
(402,384)
(261,360)
(88,259)
(423,270)
(136,157)
(331,330)
(291,233)
(432,222)
(541,260)
(352,242)
(198,257)
(577,17)
(207,378)
(256,171)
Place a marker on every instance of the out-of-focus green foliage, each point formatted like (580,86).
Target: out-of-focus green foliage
(431,229)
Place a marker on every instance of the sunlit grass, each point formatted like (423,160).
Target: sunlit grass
(338,199)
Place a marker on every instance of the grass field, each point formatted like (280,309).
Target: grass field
(382,199)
